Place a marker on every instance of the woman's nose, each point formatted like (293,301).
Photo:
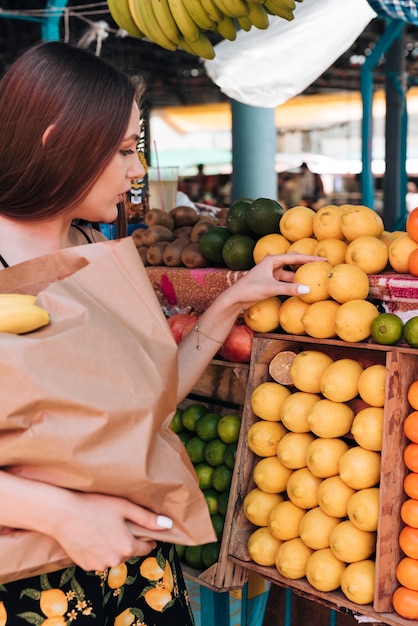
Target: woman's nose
(136,169)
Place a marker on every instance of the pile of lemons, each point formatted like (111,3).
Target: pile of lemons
(315,499)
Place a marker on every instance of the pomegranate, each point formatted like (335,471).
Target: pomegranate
(180,324)
(237,346)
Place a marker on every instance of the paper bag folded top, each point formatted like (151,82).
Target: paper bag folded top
(87,401)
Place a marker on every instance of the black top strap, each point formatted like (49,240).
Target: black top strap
(3,262)
(89,240)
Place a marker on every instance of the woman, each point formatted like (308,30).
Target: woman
(70,127)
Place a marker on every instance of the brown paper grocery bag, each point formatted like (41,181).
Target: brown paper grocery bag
(87,400)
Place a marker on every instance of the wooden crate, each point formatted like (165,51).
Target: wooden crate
(222,389)
(402,368)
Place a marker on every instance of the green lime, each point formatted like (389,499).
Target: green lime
(230,454)
(221,478)
(180,551)
(206,426)
(191,414)
(236,217)
(212,242)
(223,499)
(193,556)
(410,332)
(218,522)
(204,473)
(228,428)
(237,252)
(195,448)
(184,436)
(214,452)
(210,553)
(264,216)
(211,497)
(177,423)
(387,329)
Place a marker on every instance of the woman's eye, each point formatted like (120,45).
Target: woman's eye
(127,152)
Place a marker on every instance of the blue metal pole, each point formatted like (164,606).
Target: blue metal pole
(392,31)
(214,607)
(288,607)
(253,152)
(50,28)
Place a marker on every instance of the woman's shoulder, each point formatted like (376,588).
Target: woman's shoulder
(82,234)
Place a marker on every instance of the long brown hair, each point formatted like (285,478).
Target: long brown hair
(87,103)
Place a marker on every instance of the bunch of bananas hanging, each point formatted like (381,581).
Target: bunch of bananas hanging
(183,24)
(19,314)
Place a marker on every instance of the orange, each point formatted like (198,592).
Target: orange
(409,512)
(405,602)
(413,263)
(407,573)
(53,602)
(410,457)
(410,426)
(413,395)
(412,224)
(408,541)
(410,485)
(399,251)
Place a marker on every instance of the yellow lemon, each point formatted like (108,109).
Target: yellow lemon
(327,223)
(3,614)
(306,245)
(279,367)
(295,410)
(290,315)
(302,488)
(331,249)
(297,223)
(363,508)
(354,319)
(262,547)
(291,449)
(263,316)
(56,620)
(360,221)
(350,544)
(270,475)
(291,558)
(323,456)
(399,251)
(257,505)
(333,496)
(284,520)
(263,437)
(53,602)
(357,581)
(267,399)
(117,576)
(314,274)
(315,528)
(157,598)
(360,468)
(274,243)
(347,282)
(372,385)
(367,428)
(319,319)
(371,254)
(307,368)
(324,570)
(150,569)
(387,237)
(339,381)
(126,618)
(168,579)
(330,419)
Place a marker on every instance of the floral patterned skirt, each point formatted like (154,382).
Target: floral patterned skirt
(144,591)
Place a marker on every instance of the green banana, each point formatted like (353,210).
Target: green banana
(212,10)
(199,15)
(232,8)
(244,23)
(188,27)
(203,47)
(19,317)
(168,24)
(227,28)
(273,8)
(143,15)
(119,10)
(258,16)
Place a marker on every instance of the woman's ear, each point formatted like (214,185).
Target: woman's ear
(46,134)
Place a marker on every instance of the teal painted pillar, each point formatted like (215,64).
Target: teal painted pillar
(51,24)
(253,152)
